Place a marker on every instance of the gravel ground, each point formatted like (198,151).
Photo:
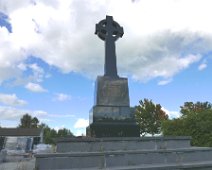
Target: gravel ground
(21,165)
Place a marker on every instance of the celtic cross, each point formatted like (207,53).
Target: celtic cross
(109,31)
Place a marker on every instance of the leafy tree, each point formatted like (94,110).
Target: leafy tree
(42,126)
(149,117)
(64,133)
(34,122)
(51,134)
(48,134)
(26,121)
(196,121)
(190,107)
(175,127)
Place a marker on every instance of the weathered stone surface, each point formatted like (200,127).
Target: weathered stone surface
(150,153)
(111,91)
(117,144)
(122,129)
(124,159)
(111,114)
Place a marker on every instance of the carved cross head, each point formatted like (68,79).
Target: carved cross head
(109,29)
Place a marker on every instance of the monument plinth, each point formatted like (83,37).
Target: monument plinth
(111,115)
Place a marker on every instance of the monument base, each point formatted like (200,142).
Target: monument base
(148,153)
(113,130)
(111,115)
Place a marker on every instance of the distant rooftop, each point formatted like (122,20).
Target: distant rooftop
(20,132)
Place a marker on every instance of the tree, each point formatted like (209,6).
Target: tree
(26,121)
(190,107)
(51,134)
(149,117)
(34,122)
(64,133)
(196,121)
(48,134)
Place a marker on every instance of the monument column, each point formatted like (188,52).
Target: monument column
(109,31)
(111,115)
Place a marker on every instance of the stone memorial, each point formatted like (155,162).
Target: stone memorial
(113,140)
(111,115)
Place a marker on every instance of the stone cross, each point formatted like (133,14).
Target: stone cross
(109,31)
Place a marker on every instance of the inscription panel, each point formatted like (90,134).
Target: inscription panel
(111,92)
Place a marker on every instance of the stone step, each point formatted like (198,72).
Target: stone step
(203,165)
(116,144)
(115,159)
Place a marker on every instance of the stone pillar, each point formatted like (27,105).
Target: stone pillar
(111,115)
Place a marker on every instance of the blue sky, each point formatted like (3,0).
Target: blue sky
(50,57)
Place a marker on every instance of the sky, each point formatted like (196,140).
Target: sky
(50,56)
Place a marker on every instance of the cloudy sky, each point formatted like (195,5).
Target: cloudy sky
(50,57)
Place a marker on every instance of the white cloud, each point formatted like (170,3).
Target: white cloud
(35,87)
(81,123)
(22,66)
(10,55)
(62,97)
(10,116)
(11,99)
(12,113)
(164,82)
(202,66)
(172,114)
(159,40)
(31,73)
(80,132)
(162,55)
(38,72)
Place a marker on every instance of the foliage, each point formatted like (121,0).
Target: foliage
(190,107)
(196,121)
(149,117)
(34,122)
(64,132)
(49,134)
(28,122)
